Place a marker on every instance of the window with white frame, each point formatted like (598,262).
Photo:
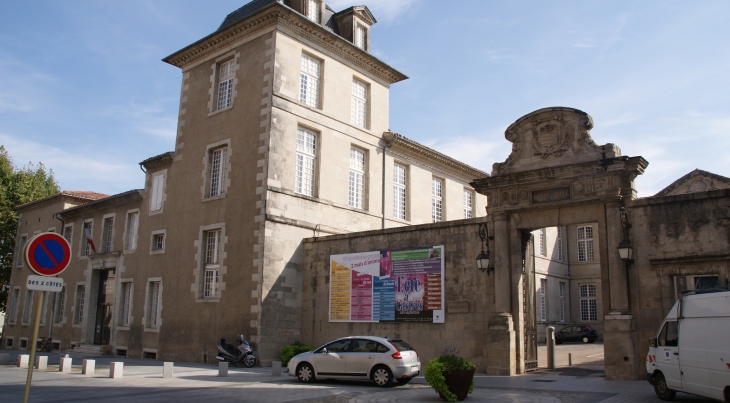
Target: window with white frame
(68,233)
(585,243)
(559,244)
(126,304)
(158,186)
(19,253)
(217,174)
(588,304)
(130,243)
(225,84)
(358,109)
(153,304)
(60,305)
(44,307)
(306,161)
(309,81)
(106,237)
(360,37)
(79,304)
(28,306)
(212,264)
(561,295)
(436,199)
(468,203)
(14,302)
(399,191)
(543,241)
(357,175)
(87,237)
(543,306)
(158,242)
(312,11)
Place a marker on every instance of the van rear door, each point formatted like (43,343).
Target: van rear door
(667,358)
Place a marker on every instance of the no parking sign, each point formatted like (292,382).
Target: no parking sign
(47,254)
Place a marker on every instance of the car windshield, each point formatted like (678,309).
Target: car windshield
(401,345)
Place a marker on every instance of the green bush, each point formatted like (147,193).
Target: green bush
(293,349)
(447,362)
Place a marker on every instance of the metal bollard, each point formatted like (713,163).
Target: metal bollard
(23,360)
(550,338)
(65,364)
(570,359)
(87,367)
(222,369)
(41,362)
(276,368)
(167,369)
(116,369)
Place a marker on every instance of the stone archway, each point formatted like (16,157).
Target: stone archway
(557,176)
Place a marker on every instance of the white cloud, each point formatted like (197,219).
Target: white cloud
(99,171)
(476,152)
(385,10)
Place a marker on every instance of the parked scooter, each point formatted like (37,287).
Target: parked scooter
(243,354)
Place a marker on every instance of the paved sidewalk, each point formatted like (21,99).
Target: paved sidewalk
(143,382)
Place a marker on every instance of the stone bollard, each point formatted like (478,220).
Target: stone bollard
(276,368)
(87,367)
(41,362)
(4,358)
(550,338)
(23,360)
(167,369)
(116,369)
(65,364)
(222,369)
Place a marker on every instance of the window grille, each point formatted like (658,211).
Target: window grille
(467,203)
(44,307)
(80,294)
(588,304)
(306,161)
(14,305)
(585,244)
(126,303)
(436,199)
(21,246)
(154,304)
(225,84)
(132,223)
(60,305)
(399,191)
(212,246)
(313,10)
(210,289)
(543,241)
(158,242)
(217,171)
(68,233)
(559,244)
(562,302)
(28,306)
(357,173)
(309,85)
(108,230)
(360,37)
(358,112)
(543,307)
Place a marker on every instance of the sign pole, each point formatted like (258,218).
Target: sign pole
(39,303)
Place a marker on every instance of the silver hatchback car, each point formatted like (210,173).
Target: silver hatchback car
(358,357)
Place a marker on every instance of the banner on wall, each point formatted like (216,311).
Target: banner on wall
(404,285)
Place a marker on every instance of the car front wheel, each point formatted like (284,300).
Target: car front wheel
(585,339)
(661,388)
(305,373)
(382,376)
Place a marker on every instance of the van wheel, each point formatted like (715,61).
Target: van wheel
(661,388)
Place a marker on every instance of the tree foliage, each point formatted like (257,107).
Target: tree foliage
(17,186)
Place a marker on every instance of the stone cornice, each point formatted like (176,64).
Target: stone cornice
(690,259)
(158,160)
(277,14)
(403,145)
(111,201)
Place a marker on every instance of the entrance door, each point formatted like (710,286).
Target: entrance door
(528,302)
(102,328)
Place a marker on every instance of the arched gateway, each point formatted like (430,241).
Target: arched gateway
(557,176)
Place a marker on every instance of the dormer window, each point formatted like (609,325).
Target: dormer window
(312,10)
(360,37)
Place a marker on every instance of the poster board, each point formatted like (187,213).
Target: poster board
(405,285)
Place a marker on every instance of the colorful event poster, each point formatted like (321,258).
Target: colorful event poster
(388,286)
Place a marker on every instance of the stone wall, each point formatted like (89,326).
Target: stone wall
(464,331)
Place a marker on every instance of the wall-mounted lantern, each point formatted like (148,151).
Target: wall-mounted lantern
(483,257)
(625,250)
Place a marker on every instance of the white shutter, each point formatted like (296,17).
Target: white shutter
(156,199)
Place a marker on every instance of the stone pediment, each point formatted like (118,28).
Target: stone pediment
(551,137)
(696,181)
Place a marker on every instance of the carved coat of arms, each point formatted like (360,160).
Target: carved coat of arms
(549,138)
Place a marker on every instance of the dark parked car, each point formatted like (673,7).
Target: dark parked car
(576,333)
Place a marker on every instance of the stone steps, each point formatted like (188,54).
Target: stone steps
(87,349)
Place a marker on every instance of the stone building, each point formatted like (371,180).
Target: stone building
(282,135)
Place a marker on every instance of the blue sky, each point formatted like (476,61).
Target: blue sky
(83,90)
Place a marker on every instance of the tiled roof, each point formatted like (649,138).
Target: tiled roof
(83,196)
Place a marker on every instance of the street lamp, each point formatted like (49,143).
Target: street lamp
(483,257)
(625,250)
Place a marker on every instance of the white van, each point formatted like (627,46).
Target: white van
(691,352)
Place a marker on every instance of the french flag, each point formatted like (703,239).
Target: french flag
(87,234)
